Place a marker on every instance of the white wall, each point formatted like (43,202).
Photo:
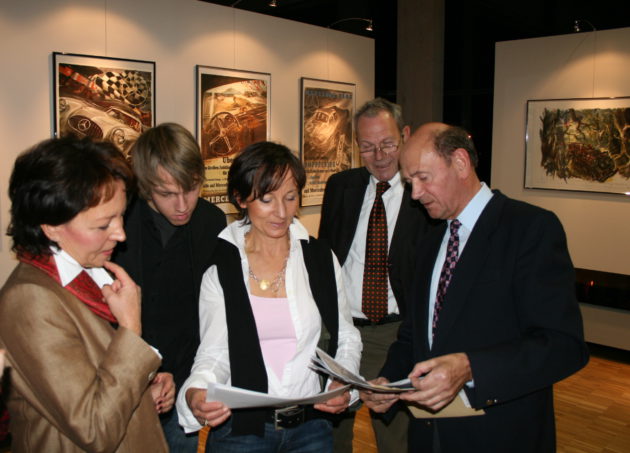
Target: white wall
(177,35)
(584,65)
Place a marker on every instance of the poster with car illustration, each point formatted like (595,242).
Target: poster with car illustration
(103,98)
(327,134)
(578,144)
(232,112)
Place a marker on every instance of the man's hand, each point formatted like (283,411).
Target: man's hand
(211,413)
(378,402)
(338,403)
(442,378)
(163,392)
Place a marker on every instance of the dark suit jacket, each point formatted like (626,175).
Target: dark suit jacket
(511,307)
(340,214)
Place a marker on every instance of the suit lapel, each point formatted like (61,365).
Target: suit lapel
(351,209)
(401,230)
(470,263)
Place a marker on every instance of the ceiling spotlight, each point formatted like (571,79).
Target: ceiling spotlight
(368,27)
(578,25)
(273,3)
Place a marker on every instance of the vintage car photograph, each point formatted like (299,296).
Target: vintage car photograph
(233,116)
(111,121)
(103,98)
(327,135)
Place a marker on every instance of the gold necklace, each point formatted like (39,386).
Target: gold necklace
(277,282)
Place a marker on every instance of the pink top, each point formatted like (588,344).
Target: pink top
(275,331)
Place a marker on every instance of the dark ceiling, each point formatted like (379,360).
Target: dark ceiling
(472,28)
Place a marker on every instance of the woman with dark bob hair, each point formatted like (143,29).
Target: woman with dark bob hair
(272,293)
(81,377)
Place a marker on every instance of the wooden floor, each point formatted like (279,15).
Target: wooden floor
(592,408)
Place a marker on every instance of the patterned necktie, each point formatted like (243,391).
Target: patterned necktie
(452,253)
(374,303)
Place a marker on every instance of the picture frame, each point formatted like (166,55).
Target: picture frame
(103,98)
(327,133)
(233,111)
(578,145)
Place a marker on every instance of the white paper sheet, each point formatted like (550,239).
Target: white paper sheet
(237,398)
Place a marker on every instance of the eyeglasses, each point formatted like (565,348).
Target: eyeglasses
(384,147)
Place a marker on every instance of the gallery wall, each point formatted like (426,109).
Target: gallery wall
(581,65)
(177,35)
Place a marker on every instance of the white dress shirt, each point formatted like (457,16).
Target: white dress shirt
(355,262)
(212,363)
(69,268)
(468,217)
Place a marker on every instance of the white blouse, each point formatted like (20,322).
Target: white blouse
(212,362)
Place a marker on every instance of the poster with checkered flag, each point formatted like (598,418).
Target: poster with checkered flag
(103,98)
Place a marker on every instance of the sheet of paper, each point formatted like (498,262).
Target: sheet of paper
(327,365)
(459,407)
(237,398)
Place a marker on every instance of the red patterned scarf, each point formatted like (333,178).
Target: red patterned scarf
(83,287)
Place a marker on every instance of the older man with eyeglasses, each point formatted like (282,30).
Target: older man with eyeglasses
(372,225)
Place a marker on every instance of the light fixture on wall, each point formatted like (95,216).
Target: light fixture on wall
(578,25)
(368,27)
(273,3)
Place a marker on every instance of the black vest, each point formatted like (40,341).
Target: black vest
(247,365)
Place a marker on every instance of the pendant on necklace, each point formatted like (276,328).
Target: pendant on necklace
(264,285)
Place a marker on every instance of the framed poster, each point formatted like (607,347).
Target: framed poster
(103,98)
(327,144)
(233,111)
(578,144)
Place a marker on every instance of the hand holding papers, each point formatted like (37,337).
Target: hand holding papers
(327,365)
(459,407)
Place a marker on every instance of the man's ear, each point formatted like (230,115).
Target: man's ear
(406,131)
(51,231)
(461,159)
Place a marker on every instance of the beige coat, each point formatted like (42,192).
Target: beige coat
(76,383)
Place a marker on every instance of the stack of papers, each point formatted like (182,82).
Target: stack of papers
(237,398)
(327,365)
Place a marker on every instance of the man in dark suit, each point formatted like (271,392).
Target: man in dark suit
(171,234)
(349,201)
(494,318)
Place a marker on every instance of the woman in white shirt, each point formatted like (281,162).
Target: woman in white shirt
(264,305)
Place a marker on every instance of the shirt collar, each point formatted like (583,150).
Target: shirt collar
(394,182)
(69,268)
(469,216)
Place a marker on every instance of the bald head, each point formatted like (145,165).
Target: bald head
(439,162)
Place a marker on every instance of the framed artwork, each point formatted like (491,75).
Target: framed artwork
(233,111)
(327,142)
(578,144)
(103,98)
